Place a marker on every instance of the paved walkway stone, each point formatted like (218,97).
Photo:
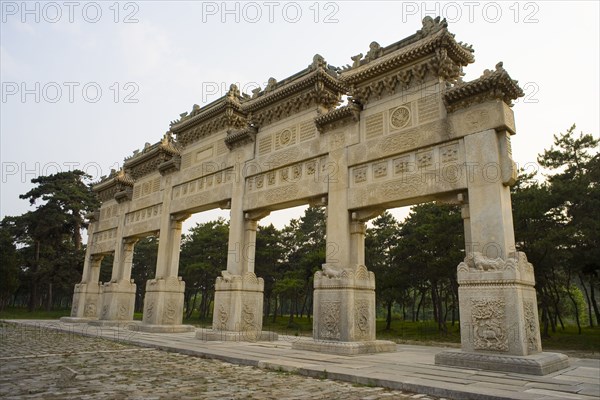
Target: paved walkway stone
(46,364)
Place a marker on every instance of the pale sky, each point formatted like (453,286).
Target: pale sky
(86,83)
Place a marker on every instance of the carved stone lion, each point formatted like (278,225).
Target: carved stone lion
(332,271)
(227,276)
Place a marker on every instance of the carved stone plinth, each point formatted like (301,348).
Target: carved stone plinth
(345,348)
(499,318)
(344,312)
(535,364)
(118,302)
(163,306)
(229,336)
(86,303)
(238,309)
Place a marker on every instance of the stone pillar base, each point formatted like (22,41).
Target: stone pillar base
(536,364)
(163,303)
(345,348)
(230,336)
(118,301)
(86,302)
(238,306)
(344,305)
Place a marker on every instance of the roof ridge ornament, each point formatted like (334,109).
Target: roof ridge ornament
(375,51)
(431,26)
(318,62)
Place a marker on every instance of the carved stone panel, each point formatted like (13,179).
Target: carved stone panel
(400,117)
(531,326)
(489,324)
(329,328)
(362,319)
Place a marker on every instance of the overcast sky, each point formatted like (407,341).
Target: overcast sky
(86,83)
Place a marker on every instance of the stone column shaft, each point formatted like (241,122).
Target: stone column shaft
(94,270)
(126,259)
(250,227)
(357,242)
(236,233)
(490,211)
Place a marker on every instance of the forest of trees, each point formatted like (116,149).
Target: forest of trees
(556,218)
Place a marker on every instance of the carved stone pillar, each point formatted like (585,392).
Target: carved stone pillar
(163,302)
(497,298)
(86,296)
(344,300)
(238,306)
(118,295)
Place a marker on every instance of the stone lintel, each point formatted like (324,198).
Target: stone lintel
(536,364)
(345,348)
(212,335)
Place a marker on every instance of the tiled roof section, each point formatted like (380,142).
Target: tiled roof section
(232,100)
(350,112)
(148,160)
(275,91)
(491,85)
(433,36)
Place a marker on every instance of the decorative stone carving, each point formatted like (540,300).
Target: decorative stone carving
(330,320)
(223,316)
(248,317)
(362,318)
(227,276)
(531,326)
(360,174)
(400,117)
(475,261)
(332,271)
(380,169)
(149,311)
(90,310)
(489,325)
(170,311)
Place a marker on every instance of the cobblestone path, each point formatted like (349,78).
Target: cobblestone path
(46,364)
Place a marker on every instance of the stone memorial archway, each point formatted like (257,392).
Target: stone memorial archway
(412,131)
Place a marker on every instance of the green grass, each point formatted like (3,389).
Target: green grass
(569,339)
(588,343)
(426,331)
